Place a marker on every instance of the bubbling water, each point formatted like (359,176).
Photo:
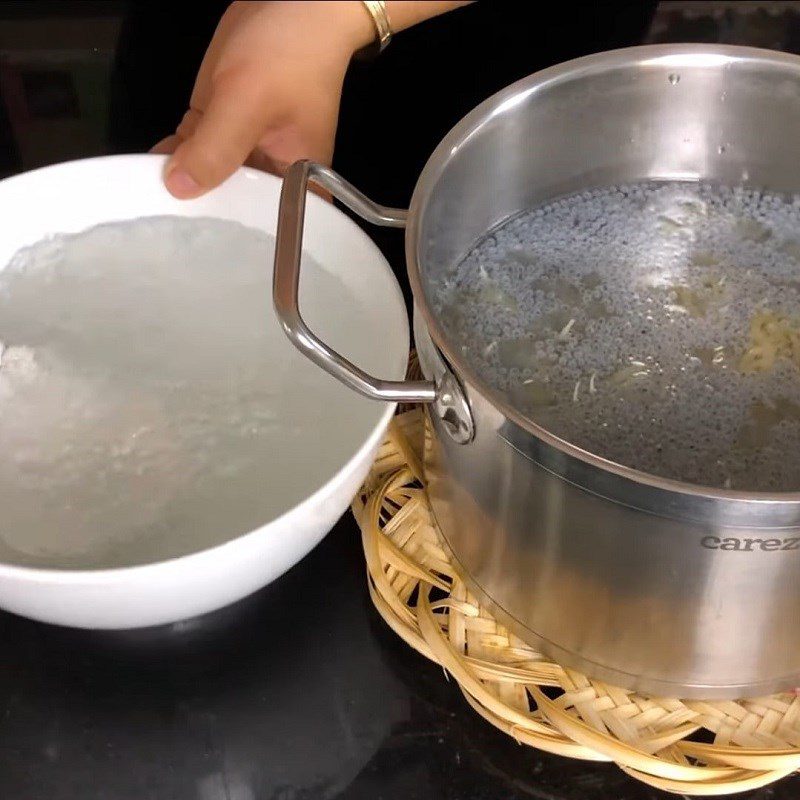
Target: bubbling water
(618,319)
(150,405)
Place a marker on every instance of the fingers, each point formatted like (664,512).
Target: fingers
(216,142)
(169,144)
(274,153)
(268,89)
(166,146)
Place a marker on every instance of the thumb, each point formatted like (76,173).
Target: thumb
(219,140)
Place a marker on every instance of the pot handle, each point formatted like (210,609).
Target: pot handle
(286,281)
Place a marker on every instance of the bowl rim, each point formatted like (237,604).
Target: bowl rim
(134,572)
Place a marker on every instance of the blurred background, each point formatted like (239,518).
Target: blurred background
(58,61)
(323,701)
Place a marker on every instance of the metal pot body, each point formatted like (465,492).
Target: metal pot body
(648,599)
(658,586)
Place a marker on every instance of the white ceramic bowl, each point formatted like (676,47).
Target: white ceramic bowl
(74,196)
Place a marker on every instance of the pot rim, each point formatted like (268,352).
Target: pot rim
(668,56)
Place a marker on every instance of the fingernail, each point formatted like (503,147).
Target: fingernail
(182,184)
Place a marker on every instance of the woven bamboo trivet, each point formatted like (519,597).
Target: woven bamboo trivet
(682,746)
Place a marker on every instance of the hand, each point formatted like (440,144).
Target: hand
(267,92)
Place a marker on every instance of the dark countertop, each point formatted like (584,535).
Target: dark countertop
(300,691)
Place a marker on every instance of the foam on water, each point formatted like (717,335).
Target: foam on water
(616,319)
(150,406)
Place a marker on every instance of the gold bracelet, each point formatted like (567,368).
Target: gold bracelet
(380,18)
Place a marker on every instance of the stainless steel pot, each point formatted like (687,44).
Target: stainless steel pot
(659,586)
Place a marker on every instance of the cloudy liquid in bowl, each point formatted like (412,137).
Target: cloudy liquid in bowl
(150,405)
(654,324)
